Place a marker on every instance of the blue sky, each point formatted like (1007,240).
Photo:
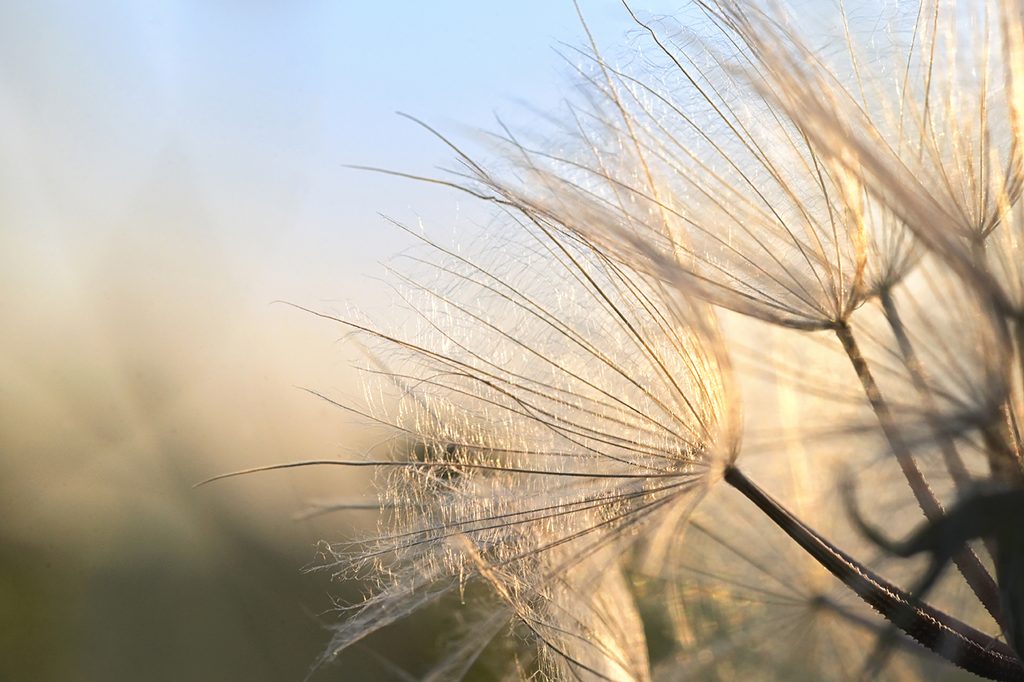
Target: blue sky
(168,169)
(241,116)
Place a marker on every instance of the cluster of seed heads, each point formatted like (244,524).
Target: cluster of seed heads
(819,219)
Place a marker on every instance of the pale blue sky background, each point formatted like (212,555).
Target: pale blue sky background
(167,169)
(245,112)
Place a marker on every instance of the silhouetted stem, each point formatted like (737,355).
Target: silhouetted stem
(948,637)
(954,463)
(869,625)
(1013,426)
(950,456)
(1002,437)
(974,572)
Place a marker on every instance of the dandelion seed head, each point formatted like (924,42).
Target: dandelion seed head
(940,147)
(699,180)
(558,398)
(558,404)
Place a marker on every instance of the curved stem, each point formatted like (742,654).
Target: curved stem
(954,463)
(974,572)
(948,637)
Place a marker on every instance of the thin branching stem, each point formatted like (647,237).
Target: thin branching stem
(950,638)
(950,456)
(974,572)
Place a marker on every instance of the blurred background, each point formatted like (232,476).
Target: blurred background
(168,170)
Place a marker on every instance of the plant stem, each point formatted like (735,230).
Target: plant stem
(1002,436)
(973,571)
(950,456)
(954,463)
(948,637)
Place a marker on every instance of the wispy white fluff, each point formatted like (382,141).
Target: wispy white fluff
(560,405)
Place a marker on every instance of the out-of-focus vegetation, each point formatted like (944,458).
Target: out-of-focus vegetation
(163,178)
(136,360)
(167,170)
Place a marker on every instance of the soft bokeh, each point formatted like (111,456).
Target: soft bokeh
(168,170)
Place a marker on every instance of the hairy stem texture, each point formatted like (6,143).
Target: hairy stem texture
(968,563)
(954,463)
(953,640)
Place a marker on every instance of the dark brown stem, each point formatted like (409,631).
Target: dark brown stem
(954,463)
(948,637)
(974,572)
(865,623)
